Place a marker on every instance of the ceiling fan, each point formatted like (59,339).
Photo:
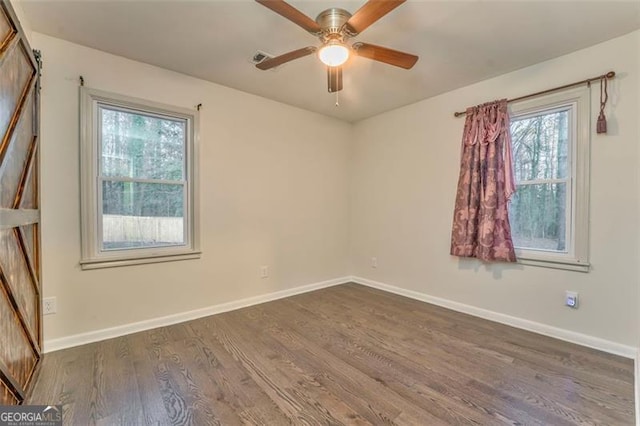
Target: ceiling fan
(334,27)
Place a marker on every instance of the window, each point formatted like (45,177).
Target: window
(549,213)
(138,181)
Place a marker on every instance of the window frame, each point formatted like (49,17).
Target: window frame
(579,102)
(93,256)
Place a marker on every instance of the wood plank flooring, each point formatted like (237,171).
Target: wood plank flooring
(342,355)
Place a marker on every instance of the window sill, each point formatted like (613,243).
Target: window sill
(567,265)
(89,264)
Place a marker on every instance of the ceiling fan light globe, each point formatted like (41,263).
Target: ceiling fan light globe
(333,54)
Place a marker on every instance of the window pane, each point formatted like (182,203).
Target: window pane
(538,217)
(136,215)
(140,146)
(541,146)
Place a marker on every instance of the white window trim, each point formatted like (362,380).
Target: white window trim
(92,255)
(577,257)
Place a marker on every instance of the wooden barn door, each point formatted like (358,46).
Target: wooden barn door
(20,304)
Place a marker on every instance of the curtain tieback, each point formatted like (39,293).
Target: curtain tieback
(601,125)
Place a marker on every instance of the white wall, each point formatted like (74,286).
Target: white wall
(637,233)
(274,188)
(285,188)
(405,167)
(24,22)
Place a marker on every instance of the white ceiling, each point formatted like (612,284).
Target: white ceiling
(459,43)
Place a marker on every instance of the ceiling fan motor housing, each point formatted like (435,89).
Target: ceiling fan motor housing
(332,21)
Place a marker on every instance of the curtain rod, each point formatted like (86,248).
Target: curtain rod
(608,75)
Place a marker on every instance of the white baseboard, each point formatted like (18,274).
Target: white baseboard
(536,327)
(121,330)
(547,330)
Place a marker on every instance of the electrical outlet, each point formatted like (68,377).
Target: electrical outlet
(374,262)
(264,272)
(49,305)
(571,299)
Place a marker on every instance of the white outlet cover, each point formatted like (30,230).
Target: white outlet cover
(49,306)
(571,299)
(264,272)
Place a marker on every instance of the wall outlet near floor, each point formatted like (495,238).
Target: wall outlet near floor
(374,262)
(571,299)
(264,272)
(49,306)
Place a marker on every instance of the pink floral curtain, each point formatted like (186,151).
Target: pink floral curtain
(481,220)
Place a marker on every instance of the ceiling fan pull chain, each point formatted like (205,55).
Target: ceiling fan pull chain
(337,99)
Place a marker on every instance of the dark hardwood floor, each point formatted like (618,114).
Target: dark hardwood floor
(341,355)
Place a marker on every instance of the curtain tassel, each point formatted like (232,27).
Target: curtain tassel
(601,126)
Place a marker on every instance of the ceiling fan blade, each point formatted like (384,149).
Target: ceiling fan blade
(386,55)
(267,64)
(334,79)
(370,13)
(284,9)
